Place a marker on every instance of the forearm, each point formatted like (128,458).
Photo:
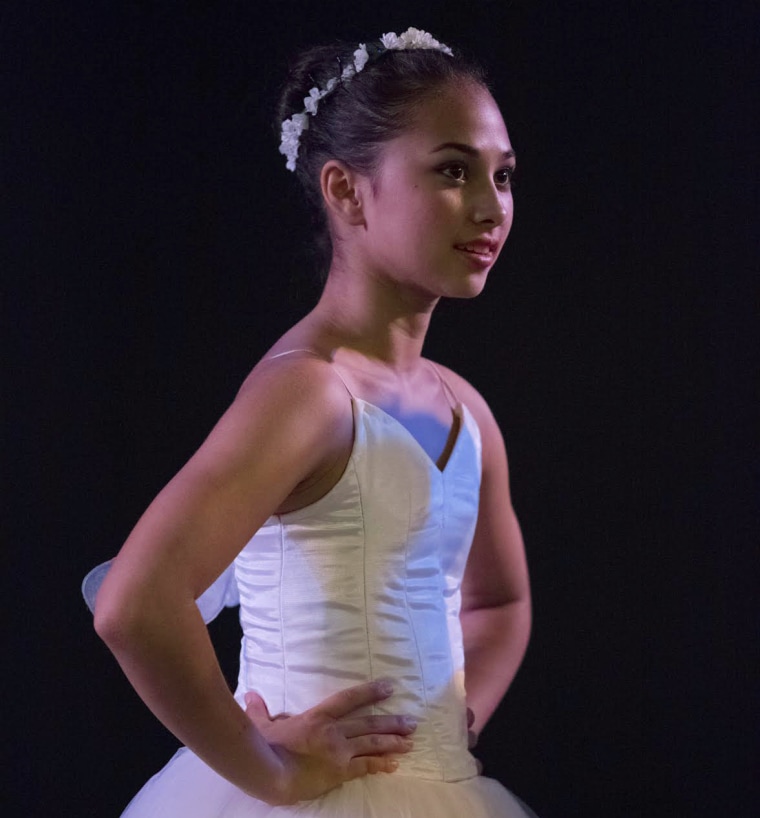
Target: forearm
(495,640)
(167,656)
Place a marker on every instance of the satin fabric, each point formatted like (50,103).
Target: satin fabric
(362,584)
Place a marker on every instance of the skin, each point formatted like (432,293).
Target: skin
(287,437)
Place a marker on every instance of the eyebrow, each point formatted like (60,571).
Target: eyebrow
(468,149)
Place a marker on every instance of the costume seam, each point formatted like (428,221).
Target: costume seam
(412,619)
(355,409)
(284,708)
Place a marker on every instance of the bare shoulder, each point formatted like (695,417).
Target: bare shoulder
(303,379)
(294,407)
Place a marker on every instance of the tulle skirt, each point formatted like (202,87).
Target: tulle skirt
(188,788)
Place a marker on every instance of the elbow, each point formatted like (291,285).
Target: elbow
(525,604)
(519,613)
(517,620)
(527,616)
(111,625)
(521,607)
(117,618)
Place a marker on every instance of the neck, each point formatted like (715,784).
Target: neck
(376,317)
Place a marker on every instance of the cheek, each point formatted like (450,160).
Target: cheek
(443,211)
(509,212)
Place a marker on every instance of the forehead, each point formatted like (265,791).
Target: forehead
(463,112)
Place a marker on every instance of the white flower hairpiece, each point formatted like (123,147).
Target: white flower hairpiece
(293,127)
(413,38)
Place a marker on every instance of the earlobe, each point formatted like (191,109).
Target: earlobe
(341,193)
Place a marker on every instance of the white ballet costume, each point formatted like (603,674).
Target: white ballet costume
(362,584)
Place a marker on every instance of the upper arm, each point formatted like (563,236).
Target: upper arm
(286,423)
(496,571)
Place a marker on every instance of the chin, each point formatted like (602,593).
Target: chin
(470,287)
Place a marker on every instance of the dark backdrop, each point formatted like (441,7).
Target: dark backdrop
(158,246)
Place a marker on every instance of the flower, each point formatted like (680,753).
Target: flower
(310,103)
(291,136)
(390,41)
(361,55)
(413,38)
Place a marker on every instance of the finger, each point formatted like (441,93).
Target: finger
(256,708)
(378,745)
(352,698)
(370,765)
(401,725)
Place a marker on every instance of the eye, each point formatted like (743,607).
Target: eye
(503,177)
(455,170)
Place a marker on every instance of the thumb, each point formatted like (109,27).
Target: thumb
(256,708)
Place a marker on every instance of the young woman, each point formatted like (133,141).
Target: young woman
(360,490)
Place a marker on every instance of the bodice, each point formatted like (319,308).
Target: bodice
(365,584)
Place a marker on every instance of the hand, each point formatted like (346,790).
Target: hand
(325,746)
(472,737)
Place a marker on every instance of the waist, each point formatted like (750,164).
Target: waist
(440,749)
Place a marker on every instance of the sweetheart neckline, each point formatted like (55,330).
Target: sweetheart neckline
(459,421)
(460,409)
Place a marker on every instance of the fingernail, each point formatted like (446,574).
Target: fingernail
(384,688)
(407,743)
(409,722)
(393,764)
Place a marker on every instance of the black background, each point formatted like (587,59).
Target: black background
(157,246)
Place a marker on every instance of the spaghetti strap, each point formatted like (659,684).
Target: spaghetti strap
(343,380)
(290,352)
(316,355)
(452,396)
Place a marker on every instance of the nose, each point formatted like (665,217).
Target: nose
(490,205)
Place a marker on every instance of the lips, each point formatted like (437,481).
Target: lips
(480,247)
(480,252)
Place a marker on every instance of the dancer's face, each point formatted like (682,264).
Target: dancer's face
(441,202)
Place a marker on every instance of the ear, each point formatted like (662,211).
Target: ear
(342,192)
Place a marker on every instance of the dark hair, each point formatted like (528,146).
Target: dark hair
(372,108)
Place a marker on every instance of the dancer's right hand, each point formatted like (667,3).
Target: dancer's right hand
(328,744)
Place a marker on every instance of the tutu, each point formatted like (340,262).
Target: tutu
(186,787)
